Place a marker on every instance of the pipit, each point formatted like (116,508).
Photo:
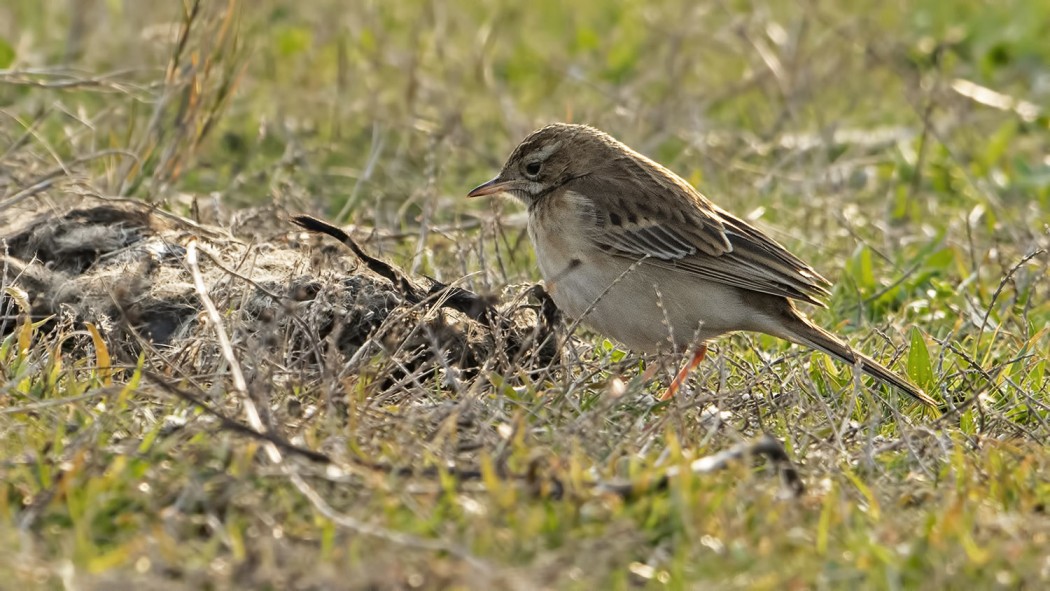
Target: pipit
(634,251)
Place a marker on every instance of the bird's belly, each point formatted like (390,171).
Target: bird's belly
(644,307)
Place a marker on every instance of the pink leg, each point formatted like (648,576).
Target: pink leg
(683,374)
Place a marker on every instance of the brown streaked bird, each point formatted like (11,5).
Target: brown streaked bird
(635,252)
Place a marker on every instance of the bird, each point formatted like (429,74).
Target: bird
(632,250)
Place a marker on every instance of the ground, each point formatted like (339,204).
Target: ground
(231,434)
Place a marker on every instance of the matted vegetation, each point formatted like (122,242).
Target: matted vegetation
(195,392)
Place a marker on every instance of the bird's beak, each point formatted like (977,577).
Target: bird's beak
(496,185)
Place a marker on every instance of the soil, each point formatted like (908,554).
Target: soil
(122,266)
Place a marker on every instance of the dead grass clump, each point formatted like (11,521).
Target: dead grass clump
(121,267)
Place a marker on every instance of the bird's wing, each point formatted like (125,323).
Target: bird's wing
(643,210)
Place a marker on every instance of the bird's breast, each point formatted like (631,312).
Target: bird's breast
(559,237)
(642,306)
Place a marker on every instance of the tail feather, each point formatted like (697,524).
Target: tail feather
(800,330)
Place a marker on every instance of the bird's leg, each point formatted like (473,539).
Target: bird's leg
(683,374)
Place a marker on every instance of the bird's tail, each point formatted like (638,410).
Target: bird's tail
(797,329)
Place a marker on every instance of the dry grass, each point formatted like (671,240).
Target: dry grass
(899,147)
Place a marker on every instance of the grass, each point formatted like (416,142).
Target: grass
(899,147)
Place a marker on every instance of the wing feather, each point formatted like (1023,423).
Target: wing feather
(641,209)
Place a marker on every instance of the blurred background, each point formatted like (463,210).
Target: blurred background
(397,105)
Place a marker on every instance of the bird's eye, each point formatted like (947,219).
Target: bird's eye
(533,168)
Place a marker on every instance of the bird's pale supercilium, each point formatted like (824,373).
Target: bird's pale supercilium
(635,252)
